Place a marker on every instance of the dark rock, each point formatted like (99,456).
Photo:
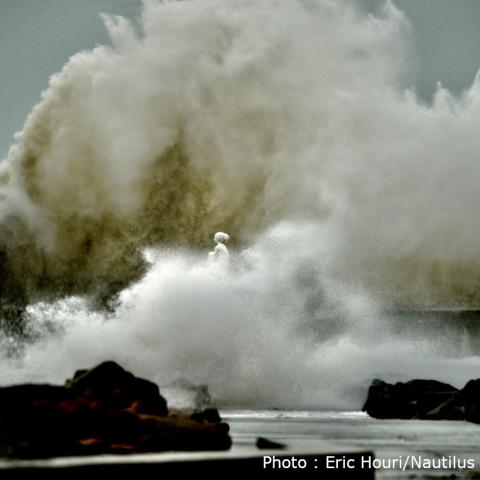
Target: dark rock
(207,415)
(469,397)
(424,399)
(77,374)
(451,409)
(266,444)
(111,385)
(413,399)
(102,410)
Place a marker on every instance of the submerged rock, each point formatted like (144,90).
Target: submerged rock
(424,399)
(263,443)
(102,410)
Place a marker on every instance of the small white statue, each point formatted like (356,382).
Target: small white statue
(220,252)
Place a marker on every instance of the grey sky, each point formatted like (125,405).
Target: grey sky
(447,42)
(36,39)
(38,36)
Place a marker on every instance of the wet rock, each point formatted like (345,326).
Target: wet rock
(110,386)
(451,409)
(413,399)
(266,444)
(102,410)
(208,415)
(424,399)
(469,398)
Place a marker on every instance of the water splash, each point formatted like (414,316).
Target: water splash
(290,125)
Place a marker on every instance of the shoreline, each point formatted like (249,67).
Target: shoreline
(305,434)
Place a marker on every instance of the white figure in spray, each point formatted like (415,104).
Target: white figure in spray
(220,254)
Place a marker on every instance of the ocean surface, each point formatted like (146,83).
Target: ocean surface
(334,432)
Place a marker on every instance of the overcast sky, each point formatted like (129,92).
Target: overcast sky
(38,36)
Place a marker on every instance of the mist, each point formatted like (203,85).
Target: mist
(289,125)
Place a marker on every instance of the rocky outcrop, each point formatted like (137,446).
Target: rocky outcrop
(469,398)
(413,399)
(424,399)
(102,410)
